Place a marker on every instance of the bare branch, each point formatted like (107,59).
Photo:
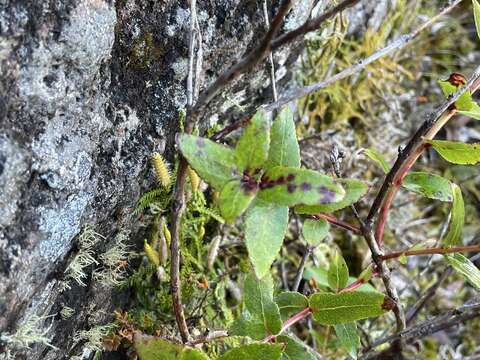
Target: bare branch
(270,56)
(401,42)
(429,251)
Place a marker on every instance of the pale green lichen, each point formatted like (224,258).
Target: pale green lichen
(30,332)
(94,336)
(114,262)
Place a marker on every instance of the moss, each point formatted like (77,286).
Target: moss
(144,52)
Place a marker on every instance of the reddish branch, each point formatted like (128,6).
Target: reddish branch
(430,251)
(340,223)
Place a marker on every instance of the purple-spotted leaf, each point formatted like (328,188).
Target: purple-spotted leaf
(251,151)
(314,231)
(345,307)
(454,235)
(338,272)
(284,149)
(254,351)
(354,191)
(234,199)
(213,162)
(291,186)
(265,226)
(457,152)
(290,302)
(464,102)
(465,267)
(262,316)
(429,185)
(348,337)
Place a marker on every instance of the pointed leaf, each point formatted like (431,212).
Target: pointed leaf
(290,186)
(338,272)
(258,297)
(265,226)
(464,102)
(354,191)
(465,267)
(254,351)
(284,149)
(454,235)
(290,302)
(348,336)
(251,151)
(378,158)
(429,185)
(476,14)
(213,162)
(314,231)
(294,349)
(234,199)
(345,307)
(457,152)
(474,112)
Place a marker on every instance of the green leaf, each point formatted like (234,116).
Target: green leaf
(248,325)
(284,149)
(338,272)
(290,302)
(345,307)
(378,158)
(454,235)
(321,278)
(251,151)
(348,336)
(429,185)
(294,349)
(474,112)
(265,226)
(476,15)
(193,354)
(154,348)
(254,351)
(314,231)
(354,191)
(465,267)
(464,102)
(457,152)
(291,186)
(258,298)
(213,162)
(234,199)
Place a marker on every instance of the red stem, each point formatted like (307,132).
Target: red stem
(430,251)
(334,221)
(289,322)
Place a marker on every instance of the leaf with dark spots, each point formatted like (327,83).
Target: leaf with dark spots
(300,187)
(235,198)
(213,162)
(354,191)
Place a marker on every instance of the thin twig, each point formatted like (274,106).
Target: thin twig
(270,56)
(254,57)
(401,42)
(312,24)
(429,251)
(337,222)
(301,268)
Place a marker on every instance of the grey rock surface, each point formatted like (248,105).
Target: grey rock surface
(90,88)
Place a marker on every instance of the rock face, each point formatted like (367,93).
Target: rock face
(89,89)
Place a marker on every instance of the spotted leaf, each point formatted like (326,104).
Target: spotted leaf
(290,186)
(213,162)
(235,198)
